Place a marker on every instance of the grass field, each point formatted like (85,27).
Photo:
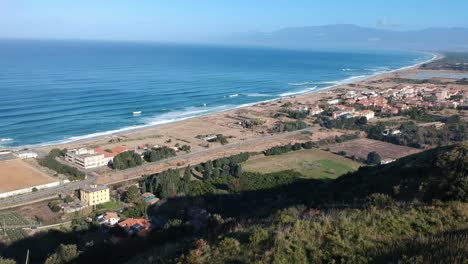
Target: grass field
(312,163)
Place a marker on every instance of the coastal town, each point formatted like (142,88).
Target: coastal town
(112,182)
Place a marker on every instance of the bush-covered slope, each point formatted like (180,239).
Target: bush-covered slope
(440,173)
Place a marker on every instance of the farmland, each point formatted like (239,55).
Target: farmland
(17,174)
(12,219)
(360,148)
(312,163)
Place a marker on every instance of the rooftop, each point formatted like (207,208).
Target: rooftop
(95,188)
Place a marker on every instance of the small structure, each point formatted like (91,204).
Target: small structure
(26,154)
(135,226)
(108,218)
(94,194)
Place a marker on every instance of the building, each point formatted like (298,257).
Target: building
(95,194)
(108,218)
(137,226)
(26,154)
(368,114)
(333,101)
(92,158)
(315,110)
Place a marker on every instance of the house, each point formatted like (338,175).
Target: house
(108,218)
(315,110)
(135,226)
(369,114)
(26,154)
(94,194)
(149,198)
(333,101)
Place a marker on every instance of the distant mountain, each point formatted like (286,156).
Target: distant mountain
(352,36)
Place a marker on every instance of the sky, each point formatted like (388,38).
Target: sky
(205,20)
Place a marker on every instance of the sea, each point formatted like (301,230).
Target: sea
(55,92)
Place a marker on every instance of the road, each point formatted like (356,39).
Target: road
(45,193)
(137,172)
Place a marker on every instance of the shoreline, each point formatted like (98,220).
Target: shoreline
(128,131)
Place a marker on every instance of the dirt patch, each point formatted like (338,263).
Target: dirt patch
(39,210)
(17,174)
(360,148)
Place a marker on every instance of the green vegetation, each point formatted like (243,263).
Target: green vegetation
(289,126)
(373,158)
(54,206)
(125,160)
(311,163)
(454,130)
(288,148)
(111,205)
(295,114)
(63,254)
(220,138)
(414,210)
(159,154)
(451,61)
(51,162)
(440,173)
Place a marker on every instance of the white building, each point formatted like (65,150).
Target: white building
(333,102)
(86,159)
(92,158)
(108,218)
(26,154)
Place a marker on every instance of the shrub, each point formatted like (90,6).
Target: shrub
(125,160)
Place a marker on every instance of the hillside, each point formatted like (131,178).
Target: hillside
(414,210)
(439,173)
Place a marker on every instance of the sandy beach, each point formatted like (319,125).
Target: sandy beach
(184,131)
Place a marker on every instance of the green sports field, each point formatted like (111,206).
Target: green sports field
(312,163)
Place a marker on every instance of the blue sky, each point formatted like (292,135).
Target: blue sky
(199,20)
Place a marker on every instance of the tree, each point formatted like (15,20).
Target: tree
(187,174)
(125,160)
(132,195)
(63,254)
(373,158)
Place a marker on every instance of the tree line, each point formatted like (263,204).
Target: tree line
(51,162)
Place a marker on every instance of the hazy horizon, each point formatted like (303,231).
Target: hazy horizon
(210,21)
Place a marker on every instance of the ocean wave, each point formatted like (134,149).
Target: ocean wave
(300,83)
(231,95)
(347,69)
(258,95)
(4,140)
(298,92)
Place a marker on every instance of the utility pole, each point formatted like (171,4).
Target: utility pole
(4,227)
(27,257)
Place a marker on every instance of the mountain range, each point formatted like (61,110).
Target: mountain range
(356,37)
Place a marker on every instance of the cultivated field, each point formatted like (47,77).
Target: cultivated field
(17,174)
(360,148)
(312,163)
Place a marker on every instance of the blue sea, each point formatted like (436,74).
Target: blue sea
(60,91)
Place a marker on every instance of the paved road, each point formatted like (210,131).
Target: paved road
(45,193)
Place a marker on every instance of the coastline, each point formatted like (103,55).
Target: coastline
(149,128)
